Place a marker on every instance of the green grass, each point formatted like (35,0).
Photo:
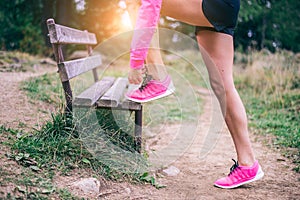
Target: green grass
(279,119)
(45,88)
(268,83)
(65,194)
(269,86)
(27,177)
(61,146)
(56,147)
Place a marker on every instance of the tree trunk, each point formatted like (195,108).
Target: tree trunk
(64,10)
(263,31)
(64,13)
(48,12)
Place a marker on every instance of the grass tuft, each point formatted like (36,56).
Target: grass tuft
(269,86)
(56,146)
(45,88)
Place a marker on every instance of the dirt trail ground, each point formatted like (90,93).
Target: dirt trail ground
(16,108)
(196,177)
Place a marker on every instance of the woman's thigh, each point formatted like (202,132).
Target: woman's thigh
(188,11)
(217,51)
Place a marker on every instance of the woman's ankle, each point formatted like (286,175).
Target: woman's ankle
(246,162)
(157,71)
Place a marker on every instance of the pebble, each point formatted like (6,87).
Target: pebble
(87,185)
(171,171)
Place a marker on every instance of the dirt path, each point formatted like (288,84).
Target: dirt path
(16,109)
(196,177)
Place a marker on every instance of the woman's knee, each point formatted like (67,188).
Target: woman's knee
(222,89)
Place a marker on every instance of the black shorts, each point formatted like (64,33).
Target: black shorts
(222,14)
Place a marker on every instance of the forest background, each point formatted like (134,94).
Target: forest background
(271,24)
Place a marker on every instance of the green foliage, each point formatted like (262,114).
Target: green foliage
(57,146)
(272,25)
(146,177)
(29,183)
(20,25)
(65,194)
(283,122)
(118,127)
(52,146)
(271,97)
(32,40)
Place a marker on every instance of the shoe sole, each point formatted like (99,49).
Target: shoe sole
(258,176)
(167,93)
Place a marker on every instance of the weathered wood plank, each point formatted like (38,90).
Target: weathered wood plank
(73,68)
(130,105)
(65,35)
(93,93)
(124,104)
(113,96)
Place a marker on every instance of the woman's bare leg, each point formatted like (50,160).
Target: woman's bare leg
(219,50)
(154,61)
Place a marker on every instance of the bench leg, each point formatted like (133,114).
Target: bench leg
(138,129)
(68,96)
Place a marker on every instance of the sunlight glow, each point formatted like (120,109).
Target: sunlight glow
(126,22)
(80,5)
(125,18)
(122,4)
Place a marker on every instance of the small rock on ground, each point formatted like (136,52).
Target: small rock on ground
(87,185)
(171,171)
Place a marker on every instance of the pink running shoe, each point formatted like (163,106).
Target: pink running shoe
(151,90)
(240,175)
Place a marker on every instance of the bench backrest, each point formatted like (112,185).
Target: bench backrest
(60,35)
(65,35)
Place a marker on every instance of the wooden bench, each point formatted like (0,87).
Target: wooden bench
(107,92)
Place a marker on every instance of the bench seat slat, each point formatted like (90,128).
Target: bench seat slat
(130,105)
(124,104)
(93,93)
(73,68)
(113,96)
(65,35)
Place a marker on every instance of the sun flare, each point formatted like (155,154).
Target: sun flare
(126,22)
